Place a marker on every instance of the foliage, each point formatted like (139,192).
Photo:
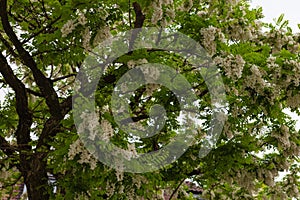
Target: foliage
(43,45)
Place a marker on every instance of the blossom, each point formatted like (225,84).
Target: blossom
(269,178)
(110,189)
(133,63)
(255,80)
(157,14)
(107,130)
(86,39)
(151,73)
(82,19)
(85,156)
(102,34)
(293,101)
(68,28)
(151,87)
(74,149)
(131,148)
(209,36)
(232,65)
(186,5)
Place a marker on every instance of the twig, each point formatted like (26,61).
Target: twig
(176,189)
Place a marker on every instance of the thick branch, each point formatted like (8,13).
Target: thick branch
(63,77)
(139,16)
(30,91)
(9,48)
(5,146)
(51,127)
(139,21)
(43,83)
(25,116)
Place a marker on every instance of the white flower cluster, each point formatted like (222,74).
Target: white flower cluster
(119,168)
(232,65)
(107,130)
(120,175)
(81,19)
(238,32)
(245,180)
(202,13)
(86,35)
(271,62)
(209,36)
(150,88)
(186,5)
(132,150)
(85,156)
(71,25)
(127,154)
(266,175)
(151,73)
(89,124)
(295,76)
(124,88)
(233,2)
(250,181)
(138,180)
(279,38)
(4,174)
(102,34)
(68,28)
(160,15)
(103,13)
(288,189)
(157,12)
(227,130)
(292,183)
(241,29)
(81,196)
(119,154)
(255,80)
(293,101)
(283,137)
(133,63)
(110,189)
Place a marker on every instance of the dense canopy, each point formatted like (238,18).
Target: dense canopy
(44,45)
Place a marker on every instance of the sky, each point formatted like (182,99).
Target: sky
(274,8)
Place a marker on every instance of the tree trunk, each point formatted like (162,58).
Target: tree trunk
(33,169)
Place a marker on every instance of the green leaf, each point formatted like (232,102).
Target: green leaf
(280,18)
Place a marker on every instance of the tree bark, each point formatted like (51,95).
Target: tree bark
(33,169)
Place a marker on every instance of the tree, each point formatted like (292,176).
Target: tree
(45,43)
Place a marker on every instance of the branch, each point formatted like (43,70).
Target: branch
(25,116)
(30,91)
(63,77)
(44,9)
(129,13)
(42,30)
(139,21)
(176,189)
(43,83)
(9,48)
(139,16)
(6,147)
(20,19)
(51,127)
